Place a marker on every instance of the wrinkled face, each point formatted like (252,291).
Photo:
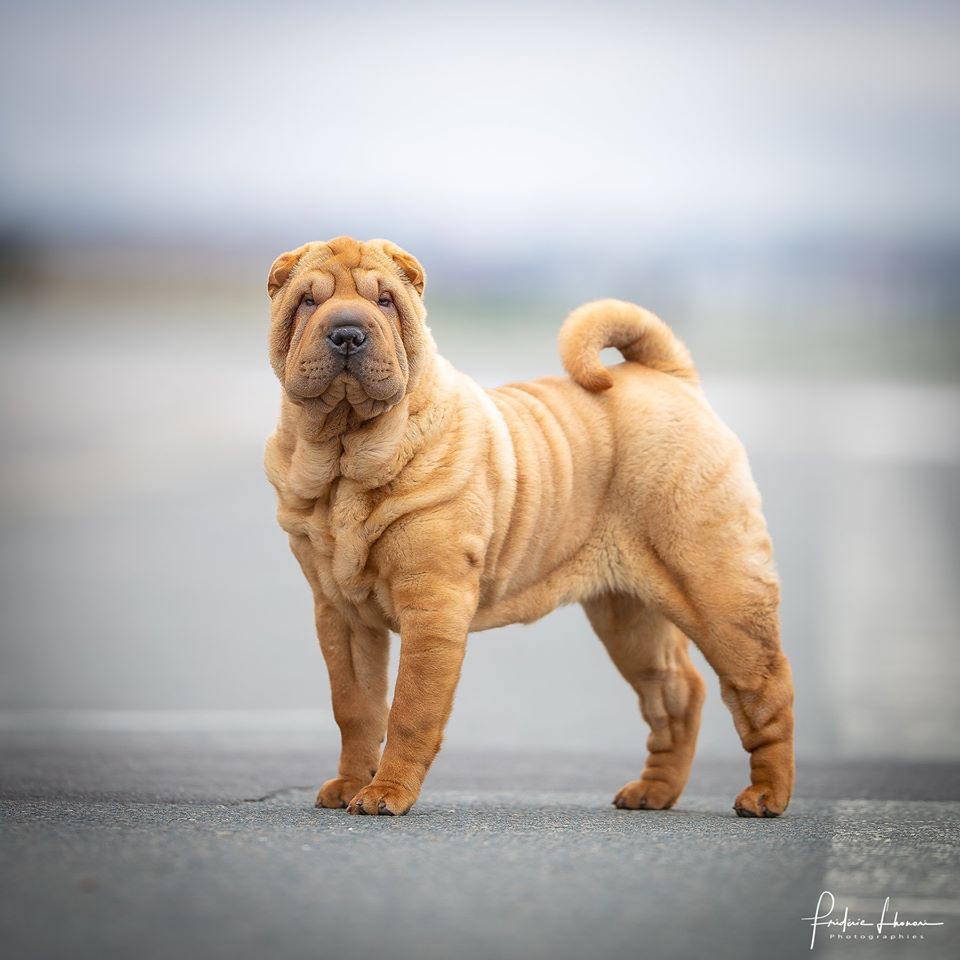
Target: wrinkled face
(347,325)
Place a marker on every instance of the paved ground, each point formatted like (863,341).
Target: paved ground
(119,845)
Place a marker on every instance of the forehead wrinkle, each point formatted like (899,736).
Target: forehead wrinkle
(343,279)
(347,250)
(375,260)
(339,274)
(365,281)
(310,261)
(323,281)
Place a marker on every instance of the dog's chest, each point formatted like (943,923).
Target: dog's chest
(330,538)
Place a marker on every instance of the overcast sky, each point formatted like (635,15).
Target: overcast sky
(487,122)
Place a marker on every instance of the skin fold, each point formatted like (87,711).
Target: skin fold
(417,503)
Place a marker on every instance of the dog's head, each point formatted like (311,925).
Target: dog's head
(347,325)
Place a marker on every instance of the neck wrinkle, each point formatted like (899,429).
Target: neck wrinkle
(377,452)
(374,452)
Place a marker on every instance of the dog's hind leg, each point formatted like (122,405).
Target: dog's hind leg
(709,568)
(651,653)
(737,630)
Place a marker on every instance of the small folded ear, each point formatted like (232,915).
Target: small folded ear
(409,265)
(282,268)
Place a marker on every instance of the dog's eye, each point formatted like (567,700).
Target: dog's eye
(385,300)
(307,302)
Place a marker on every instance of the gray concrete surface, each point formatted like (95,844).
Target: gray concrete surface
(206,846)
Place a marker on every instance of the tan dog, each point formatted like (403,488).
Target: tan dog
(416,502)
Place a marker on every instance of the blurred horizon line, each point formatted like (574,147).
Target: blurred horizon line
(32,251)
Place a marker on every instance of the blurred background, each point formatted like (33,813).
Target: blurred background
(778,182)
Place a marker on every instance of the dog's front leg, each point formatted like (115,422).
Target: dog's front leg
(434,619)
(357,659)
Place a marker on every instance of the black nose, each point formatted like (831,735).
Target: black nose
(347,339)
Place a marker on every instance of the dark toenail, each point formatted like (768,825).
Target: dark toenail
(382,809)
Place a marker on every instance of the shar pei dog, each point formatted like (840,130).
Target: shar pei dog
(418,503)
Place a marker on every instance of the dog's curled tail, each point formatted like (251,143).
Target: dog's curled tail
(641,336)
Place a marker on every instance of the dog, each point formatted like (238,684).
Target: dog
(418,503)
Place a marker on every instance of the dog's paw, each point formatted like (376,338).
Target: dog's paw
(760,800)
(338,792)
(382,799)
(646,795)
